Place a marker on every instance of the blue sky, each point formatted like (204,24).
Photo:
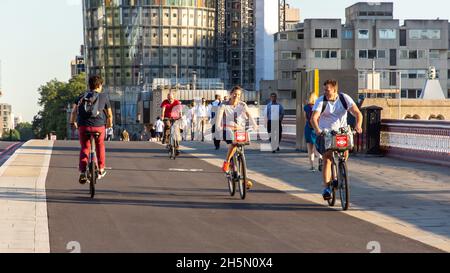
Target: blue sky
(39,38)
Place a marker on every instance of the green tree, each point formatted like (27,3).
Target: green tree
(55,97)
(11,135)
(25,130)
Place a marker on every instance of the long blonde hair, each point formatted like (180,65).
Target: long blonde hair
(312,98)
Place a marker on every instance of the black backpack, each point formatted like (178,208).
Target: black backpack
(88,106)
(341,98)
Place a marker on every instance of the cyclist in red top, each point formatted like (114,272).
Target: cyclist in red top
(171,110)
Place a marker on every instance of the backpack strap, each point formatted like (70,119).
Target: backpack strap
(343,101)
(341,98)
(324,104)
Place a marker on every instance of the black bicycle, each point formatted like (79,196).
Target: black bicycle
(341,143)
(93,172)
(238,166)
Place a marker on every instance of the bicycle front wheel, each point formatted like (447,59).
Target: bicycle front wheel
(242,175)
(332,200)
(343,186)
(230,177)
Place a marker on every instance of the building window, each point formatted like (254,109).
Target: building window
(363,34)
(318,33)
(371,54)
(381,54)
(403,37)
(425,34)
(411,93)
(412,54)
(363,54)
(334,33)
(348,34)
(296,56)
(286,55)
(286,75)
(326,33)
(434,54)
(387,34)
(325,54)
(283,36)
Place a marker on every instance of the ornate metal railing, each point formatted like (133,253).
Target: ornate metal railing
(418,140)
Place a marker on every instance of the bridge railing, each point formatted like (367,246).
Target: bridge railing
(416,140)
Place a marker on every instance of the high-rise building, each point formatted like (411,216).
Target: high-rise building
(288,16)
(132,42)
(77,66)
(236,42)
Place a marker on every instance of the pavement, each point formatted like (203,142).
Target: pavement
(148,203)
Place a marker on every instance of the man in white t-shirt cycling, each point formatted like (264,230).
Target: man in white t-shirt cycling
(330,113)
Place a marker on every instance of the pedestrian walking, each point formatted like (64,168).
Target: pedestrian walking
(191,117)
(310,135)
(159,129)
(214,107)
(202,118)
(274,114)
(109,134)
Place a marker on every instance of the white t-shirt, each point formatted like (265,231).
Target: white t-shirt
(202,111)
(159,126)
(234,116)
(335,115)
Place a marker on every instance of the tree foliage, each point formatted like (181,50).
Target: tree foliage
(11,135)
(55,98)
(25,130)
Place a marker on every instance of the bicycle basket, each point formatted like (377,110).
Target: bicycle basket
(341,142)
(241,138)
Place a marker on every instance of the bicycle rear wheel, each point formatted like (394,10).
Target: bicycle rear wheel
(242,175)
(332,200)
(344,191)
(93,178)
(231,178)
(174,149)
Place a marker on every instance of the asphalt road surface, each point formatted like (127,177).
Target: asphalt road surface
(143,206)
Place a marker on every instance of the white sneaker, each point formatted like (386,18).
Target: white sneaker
(101,174)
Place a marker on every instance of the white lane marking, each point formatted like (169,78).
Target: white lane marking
(186,170)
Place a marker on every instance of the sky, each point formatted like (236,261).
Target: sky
(38,39)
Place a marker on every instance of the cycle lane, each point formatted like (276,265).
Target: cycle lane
(148,203)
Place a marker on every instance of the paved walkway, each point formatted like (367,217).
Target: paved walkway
(411,199)
(23,210)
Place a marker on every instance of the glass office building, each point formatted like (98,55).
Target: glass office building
(132,42)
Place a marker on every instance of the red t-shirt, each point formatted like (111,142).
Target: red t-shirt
(169,113)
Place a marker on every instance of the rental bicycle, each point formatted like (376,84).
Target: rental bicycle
(174,139)
(93,172)
(340,142)
(238,166)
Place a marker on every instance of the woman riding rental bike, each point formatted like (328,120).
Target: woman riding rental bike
(232,117)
